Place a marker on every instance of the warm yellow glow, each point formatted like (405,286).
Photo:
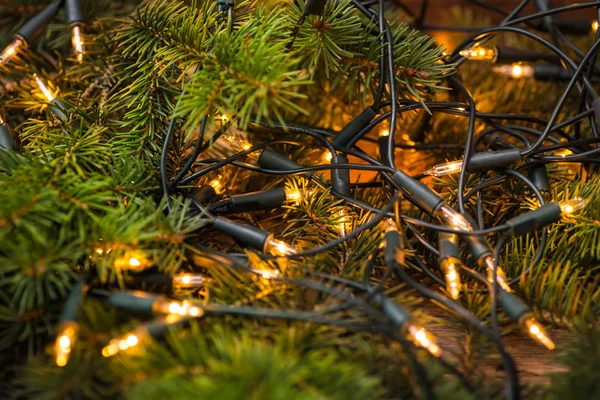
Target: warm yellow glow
(188,281)
(217,185)
(327,156)
(279,248)
(294,196)
(445,169)
(132,340)
(384,133)
(173,307)
(573,205)
(266,273)
(124,343)
(42,86)
(479,54)
(344,223)
(563,153)
(515,70)
(64,342)
(455,219)
(420,337)
(239,145)
(536,331)
(133,261)
(11,50)
(77,41)
(500,275)
(451,267)
(595,26)
(390,225)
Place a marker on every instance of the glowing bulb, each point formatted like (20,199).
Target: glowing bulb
(188,281)
(133,261)
(224,118)
(217,185)
(595,26)
(479,54)
(49,95)
(344,223)
(455,219)
(294,196)
(515,70)
(564,153)
(420,337)
(11,50)
(500,275)
(64,342)
(327,156)
(536,331)
(445,169)
(573,205)
(266,273)
(239,145)
(384,133)
(390,225)
(451,267)
(279,248)
(77,41)
(182,308)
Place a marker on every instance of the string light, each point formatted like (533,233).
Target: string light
(479,54)
(573,205)
(595,26)
(420,337)
(449,168)
(450,267)
(266,273)
(183,308)
(488,262)
(64,342)
(132,261)
(239,145)
(77,41)
(295,196)
(454,218)
(44,89)
(188,281)
(344,223)
(537,332)
(217,184)
(515,70)
(133,339)
(278,248)
(12,49)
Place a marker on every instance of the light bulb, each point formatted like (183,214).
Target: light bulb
(445,169)
(42,86)
(187,281)
(11,50)
(217,184)
(327,157)
(132,261)
(124,343)
(454,218)
(420,337)
(536,331)
(64,342)
(390,225)
(294,196)
(344,223)
(278,248)
(266,273)
(500,275)
(595,26)
(183,308)
(451,266)
(384,133)
(239,145)
(77,41)
(573,205)
(515,70)
(479,54)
